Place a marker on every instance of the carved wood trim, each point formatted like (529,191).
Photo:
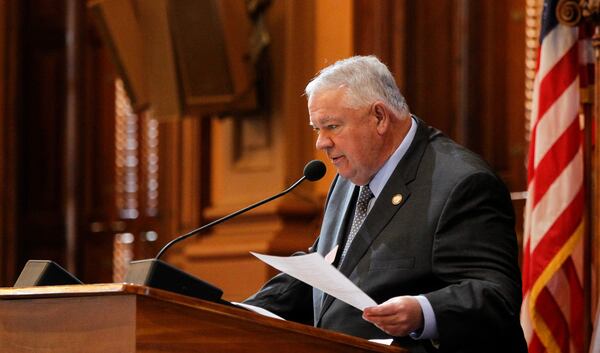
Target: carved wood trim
(532,31)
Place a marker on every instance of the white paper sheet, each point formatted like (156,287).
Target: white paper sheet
(258,310)
(315,271)
(385,341)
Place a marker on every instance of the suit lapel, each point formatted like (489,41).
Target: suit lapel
(384,208)
(336,216)
(380,215)
(384,211)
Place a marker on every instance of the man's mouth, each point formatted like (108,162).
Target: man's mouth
(336,159)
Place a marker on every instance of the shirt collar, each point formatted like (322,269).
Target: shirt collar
(381,177)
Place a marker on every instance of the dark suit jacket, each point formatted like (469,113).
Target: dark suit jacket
(451,239)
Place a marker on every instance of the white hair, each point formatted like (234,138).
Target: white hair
(367,80)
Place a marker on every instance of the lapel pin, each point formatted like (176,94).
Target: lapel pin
(397,199)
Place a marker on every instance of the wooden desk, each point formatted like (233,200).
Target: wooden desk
(127,318)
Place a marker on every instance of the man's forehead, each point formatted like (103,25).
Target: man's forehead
(320,120)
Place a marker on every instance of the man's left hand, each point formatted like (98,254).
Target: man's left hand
(398,316)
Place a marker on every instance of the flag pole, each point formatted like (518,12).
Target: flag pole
(589,109)
(594,174)
(590,201)
(590,97)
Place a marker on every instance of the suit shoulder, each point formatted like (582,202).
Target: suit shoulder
(453,162)
(449,151)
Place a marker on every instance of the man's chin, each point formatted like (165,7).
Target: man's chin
(355,179)
(350,174)
(346,174)
(342,174)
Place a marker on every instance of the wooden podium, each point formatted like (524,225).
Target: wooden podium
(127,318)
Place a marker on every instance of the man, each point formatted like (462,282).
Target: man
(416,221)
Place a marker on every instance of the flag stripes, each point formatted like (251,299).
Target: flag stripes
(552,311)
(558,79)
(558,203)
(548,129)
(562,153)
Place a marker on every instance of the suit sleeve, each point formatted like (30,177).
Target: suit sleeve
(286,296)
(475,254)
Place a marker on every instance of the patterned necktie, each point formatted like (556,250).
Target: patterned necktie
(360,213)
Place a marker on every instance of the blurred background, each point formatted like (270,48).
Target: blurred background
(125,123)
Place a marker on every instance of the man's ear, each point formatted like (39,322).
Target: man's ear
(382,115)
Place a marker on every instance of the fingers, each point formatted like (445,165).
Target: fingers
(395,330)
(387,308)
(398,316)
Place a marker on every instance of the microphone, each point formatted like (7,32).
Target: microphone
(313,171)
(157,273)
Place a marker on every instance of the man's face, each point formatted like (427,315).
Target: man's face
(348,136)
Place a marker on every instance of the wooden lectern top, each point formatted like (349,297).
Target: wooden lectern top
(126,318)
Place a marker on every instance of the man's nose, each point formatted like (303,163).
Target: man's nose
(323,142)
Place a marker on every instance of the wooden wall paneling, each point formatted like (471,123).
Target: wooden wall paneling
(190,214)
(595,181)
(515,91)
(184,174)
(98,163)
(169,180)
(460,66)
(8,140)
(463,57)
(475,80)
(4,236)
(255,156)
(120,220)
(43,194)
(398,45)
(298,46)
(511,157)
(40,131)
(430,63)
(74,49)
(380,29)
(374,22)
(117,224)
(496,87)
(417,40)
(300,211)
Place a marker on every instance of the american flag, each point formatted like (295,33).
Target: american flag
(553,301)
